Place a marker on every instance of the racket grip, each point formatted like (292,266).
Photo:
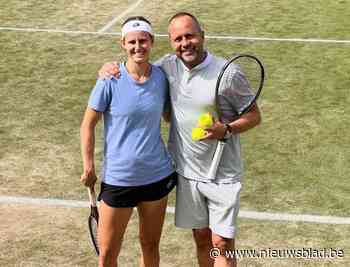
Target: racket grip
(216,160)
(92,196)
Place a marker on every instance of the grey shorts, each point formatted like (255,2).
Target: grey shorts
(207,204)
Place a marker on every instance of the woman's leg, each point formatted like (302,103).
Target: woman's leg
(151,216)
(111,228)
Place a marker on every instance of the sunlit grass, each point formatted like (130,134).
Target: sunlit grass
(56,236)
(296,161)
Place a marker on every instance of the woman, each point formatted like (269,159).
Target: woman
(137,169)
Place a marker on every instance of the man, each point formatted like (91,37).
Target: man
(208,207)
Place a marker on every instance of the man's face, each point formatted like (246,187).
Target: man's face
(138,46)
(187,40)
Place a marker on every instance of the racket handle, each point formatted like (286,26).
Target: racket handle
(216,160)
(92,196)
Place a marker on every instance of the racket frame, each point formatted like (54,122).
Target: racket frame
(222,142)
(217,87)
(94,216)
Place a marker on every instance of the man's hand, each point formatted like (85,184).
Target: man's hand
(244,123)
(217,131)
(108,70)
(88,178)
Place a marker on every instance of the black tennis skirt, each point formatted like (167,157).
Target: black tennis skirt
(130,196)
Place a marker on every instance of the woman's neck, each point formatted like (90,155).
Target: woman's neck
(140,72)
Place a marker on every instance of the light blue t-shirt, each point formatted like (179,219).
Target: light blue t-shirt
(134,152)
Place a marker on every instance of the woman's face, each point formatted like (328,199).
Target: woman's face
(138,46)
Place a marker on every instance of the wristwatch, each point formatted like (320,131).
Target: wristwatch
(228,132)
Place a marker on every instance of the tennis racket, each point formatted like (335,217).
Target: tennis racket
(93,219)
(241,79)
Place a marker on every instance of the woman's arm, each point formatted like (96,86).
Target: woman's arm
(87,139)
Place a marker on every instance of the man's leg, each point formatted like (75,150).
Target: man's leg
(223,206)
(203,240)
(224,244)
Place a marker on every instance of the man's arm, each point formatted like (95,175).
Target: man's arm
(108,70)
(247,121)
(87,138)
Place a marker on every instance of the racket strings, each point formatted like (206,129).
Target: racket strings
(253,73)
(238,86)
(228,77)
(95,233)
(240,81)
(93,225)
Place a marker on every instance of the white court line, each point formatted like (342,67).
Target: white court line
(119,17)
(56,31)
(296,40)
(222,37)
(242,214)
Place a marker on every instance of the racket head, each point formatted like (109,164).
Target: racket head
(93,227)
(93,220)
(238,87)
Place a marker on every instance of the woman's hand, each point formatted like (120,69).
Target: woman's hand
(88,178)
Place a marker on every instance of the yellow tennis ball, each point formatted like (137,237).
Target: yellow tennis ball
(198,133)
(205,120)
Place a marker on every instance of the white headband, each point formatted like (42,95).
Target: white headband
(136,25)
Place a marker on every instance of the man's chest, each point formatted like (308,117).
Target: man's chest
(191,95)
(192,89)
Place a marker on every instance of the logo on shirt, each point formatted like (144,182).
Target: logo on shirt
(171,183)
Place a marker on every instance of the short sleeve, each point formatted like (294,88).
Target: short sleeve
(100,96)
(160,62)
(235,92)
(166,63)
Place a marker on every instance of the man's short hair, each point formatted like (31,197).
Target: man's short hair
(184,14)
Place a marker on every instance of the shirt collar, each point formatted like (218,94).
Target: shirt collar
(201,65)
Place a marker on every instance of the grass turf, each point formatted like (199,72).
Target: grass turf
(296,161)
(56,236)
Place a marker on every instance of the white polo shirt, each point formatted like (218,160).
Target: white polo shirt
(192,93)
